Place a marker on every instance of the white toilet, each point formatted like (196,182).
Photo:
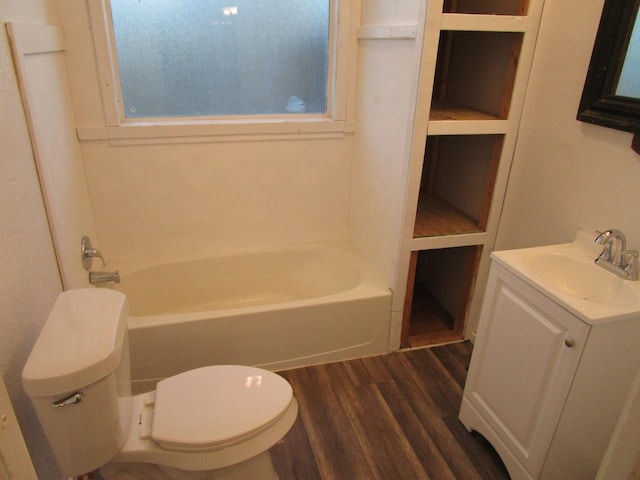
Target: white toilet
(214,422)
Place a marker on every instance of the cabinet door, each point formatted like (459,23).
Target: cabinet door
(523,363)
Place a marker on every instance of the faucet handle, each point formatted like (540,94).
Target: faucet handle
(630,264)
(88,253)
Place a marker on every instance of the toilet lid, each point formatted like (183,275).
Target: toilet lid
(206,407)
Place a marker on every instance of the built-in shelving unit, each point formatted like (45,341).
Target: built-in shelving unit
(476,60)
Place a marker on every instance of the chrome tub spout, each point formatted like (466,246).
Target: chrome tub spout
(98,278)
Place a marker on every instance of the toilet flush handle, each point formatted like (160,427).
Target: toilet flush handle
(72,399)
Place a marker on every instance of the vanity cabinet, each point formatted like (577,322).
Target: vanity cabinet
(545,387)
(475,66)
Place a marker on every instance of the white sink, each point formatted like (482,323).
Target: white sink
(583,279)
(568,273)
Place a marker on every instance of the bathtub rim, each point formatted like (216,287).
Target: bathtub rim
(371,281)
(130,265)
(362,291)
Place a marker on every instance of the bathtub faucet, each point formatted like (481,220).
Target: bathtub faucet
(98,278)
(88,253)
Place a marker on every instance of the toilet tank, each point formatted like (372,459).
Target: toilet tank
(78,379)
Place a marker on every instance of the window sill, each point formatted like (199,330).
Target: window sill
(205,131)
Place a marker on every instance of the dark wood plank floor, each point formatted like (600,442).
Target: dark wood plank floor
(391,417)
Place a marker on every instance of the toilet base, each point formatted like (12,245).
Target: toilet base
(259,467)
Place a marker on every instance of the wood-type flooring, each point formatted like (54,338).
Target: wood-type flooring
(389,417)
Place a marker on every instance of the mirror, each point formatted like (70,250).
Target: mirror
(611,95)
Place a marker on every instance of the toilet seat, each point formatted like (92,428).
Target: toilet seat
(140,448)
(217,406)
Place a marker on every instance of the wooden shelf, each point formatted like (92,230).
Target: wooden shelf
(483,23)
(484,7)
(437,217)
(441,110)
(446,118)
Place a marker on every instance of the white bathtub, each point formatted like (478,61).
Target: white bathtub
(274,309)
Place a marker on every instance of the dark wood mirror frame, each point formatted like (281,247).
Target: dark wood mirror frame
(599,104)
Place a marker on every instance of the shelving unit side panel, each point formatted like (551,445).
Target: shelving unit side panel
(408,301)
(429,33)
(421,118)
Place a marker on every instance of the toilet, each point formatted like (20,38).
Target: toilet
(211,423)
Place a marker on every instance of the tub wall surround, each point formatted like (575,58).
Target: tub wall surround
(182,199)
(389,52)
(206,196)
(38,52)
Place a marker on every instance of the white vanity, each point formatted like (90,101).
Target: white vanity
(558,347)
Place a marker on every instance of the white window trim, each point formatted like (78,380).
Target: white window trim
(336,123)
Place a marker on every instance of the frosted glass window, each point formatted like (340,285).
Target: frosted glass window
(210,57)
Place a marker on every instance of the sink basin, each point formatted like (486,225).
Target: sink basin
(584,279)
(568,273)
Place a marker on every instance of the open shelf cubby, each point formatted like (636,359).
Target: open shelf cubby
(487,7)
(458,176)
(474,76)
(438,294)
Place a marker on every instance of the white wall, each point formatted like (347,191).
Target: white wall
(568,175)
(30,280)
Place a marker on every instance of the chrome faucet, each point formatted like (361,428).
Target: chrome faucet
(614,243)
(615,257)
(98,278)
(88,253)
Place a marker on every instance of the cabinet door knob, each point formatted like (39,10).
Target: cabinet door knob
(569,342)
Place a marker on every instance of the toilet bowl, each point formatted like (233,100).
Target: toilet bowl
(215,422)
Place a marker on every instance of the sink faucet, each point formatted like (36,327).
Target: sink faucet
(614,243)
(615,257)
(98,278)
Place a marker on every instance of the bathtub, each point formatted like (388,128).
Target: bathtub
(275,309)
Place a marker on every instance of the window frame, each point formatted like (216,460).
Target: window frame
(121,130)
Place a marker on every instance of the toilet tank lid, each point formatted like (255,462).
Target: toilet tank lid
(81,342)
